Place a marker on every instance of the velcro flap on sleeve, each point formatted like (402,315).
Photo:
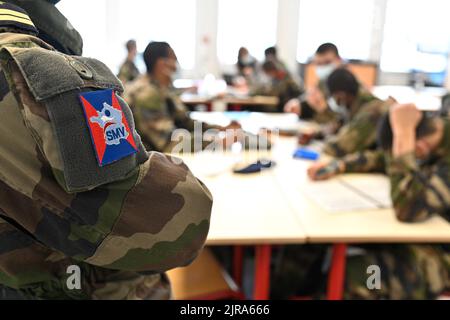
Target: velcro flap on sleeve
(49,73)
(56,82)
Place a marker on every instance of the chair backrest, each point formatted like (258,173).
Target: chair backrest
(366,72)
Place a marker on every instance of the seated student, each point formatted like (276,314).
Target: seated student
(361,110)
(128,71)
(157,109)
(271,54)
(247,66)
(314,104)
(281,85)
(418,164)
(417,153)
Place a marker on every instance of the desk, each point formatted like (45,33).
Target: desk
(227,100)
(270,208)
(368,226)
(247,210)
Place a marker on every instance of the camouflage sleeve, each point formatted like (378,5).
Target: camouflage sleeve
(356,136)
(124,73)
(417,193)
(152,216)
(365,161)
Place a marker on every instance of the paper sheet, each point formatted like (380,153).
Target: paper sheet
(374,186)
(334,197)
(351,193)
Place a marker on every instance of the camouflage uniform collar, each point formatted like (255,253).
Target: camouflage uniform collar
(363,96)
(156,83)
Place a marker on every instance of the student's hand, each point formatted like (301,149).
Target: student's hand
(404,118)
(316,100)
(293,106)
(323,171)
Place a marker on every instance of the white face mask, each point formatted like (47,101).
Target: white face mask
(324,71)
(339,109)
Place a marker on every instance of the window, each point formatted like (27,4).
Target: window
(417,40)
(108,24)
(346,23)
(94,39)
(245,23)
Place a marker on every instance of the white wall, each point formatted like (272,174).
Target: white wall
(206,60)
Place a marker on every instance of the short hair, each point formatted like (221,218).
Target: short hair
(342,80)
(130,44)
(154,51)
(270,51)
(385,137)
(327,47)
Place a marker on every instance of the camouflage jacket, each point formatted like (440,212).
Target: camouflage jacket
(308,112)
(122,224)
(285,89)
(420,190)
(359,134)
(128,72)
(158,112)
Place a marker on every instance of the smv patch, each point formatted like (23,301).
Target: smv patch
(110,132)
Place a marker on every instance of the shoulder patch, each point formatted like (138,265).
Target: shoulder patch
(110,132)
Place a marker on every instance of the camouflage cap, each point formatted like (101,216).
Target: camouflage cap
(53,26)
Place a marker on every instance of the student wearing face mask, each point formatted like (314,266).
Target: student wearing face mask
(246,64)
(281,84)
(360,111)
(313,105)
(415,154)
(156,106)
(416,157)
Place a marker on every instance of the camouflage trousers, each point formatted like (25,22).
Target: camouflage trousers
(12,294)
(96,284)
(405,271)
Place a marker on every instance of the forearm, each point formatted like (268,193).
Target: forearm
(403,142)
(417,193)
(365,161)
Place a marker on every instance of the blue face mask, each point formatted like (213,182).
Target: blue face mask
(324,71)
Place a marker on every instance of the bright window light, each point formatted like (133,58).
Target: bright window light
(108,24)
(416,37)
(246,23)
(346,23)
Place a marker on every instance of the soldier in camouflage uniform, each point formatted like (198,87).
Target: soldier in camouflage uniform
(281,85)
(159,111)
(128,72)
(419,189)
(362,111)
(124,223)
(313,105)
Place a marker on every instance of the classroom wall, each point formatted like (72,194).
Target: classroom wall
(108,46)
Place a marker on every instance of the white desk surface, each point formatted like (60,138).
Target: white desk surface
(379,225)
(271,207)
(247,209)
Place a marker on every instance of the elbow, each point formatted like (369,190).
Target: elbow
(164,222)
(410,215)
